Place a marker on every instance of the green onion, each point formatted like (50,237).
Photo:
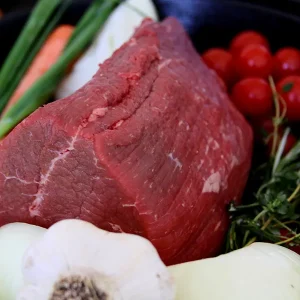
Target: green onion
(41,90)
(87,18)
(38,19)
(4,98)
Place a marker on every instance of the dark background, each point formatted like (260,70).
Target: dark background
(210,23)
(292,6)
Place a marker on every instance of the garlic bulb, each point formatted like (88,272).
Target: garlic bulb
(76,260)
(260,271)
(15,238)
(117,30)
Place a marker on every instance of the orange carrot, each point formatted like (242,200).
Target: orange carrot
(45,58)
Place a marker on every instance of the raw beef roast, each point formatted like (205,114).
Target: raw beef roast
(151,145)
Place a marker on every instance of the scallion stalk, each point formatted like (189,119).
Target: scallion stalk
(88,17)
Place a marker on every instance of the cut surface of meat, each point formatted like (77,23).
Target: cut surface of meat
(151,146)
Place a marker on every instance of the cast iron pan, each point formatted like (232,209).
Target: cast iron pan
(209,22)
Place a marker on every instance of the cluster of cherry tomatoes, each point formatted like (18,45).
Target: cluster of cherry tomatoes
(245,68)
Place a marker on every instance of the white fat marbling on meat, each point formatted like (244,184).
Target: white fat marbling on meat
(177,162)
(182,122)
(197,97)
(116,227)
(212,184)
(164,64)
(97,112)
(218,226)
(107,95)
(234,162)
(129,205)
(211,144)
(188,188)
(132,42)
(200,164)
(216,145)
(6,177)
(61,155)
(118,124)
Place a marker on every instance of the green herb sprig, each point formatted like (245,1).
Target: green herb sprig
(273,214)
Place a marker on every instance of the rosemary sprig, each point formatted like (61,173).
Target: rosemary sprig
(273,213)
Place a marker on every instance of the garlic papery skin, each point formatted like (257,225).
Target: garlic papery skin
(15,238)
(117,266)
(117,30)
(258,272)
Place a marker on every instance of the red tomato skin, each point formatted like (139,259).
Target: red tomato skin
(253,97)
(291,97)
(253,61)
(246,38)
(286,62)
(221,61)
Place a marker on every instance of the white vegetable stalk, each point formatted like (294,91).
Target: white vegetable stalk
(118,29)
(14,240)
(260,271)
(76,260)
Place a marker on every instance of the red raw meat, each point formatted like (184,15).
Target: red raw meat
(151,145)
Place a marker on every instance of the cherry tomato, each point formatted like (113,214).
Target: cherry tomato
(289,89)
(221,61)
(286,62)
(252,96)
(246,38)
(253,61)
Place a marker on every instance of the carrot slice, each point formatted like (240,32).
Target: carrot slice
(46,57)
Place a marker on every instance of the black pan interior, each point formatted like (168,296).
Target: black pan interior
(210,23)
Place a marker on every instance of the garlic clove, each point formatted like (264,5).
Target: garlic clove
(15,238)
(76,253)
